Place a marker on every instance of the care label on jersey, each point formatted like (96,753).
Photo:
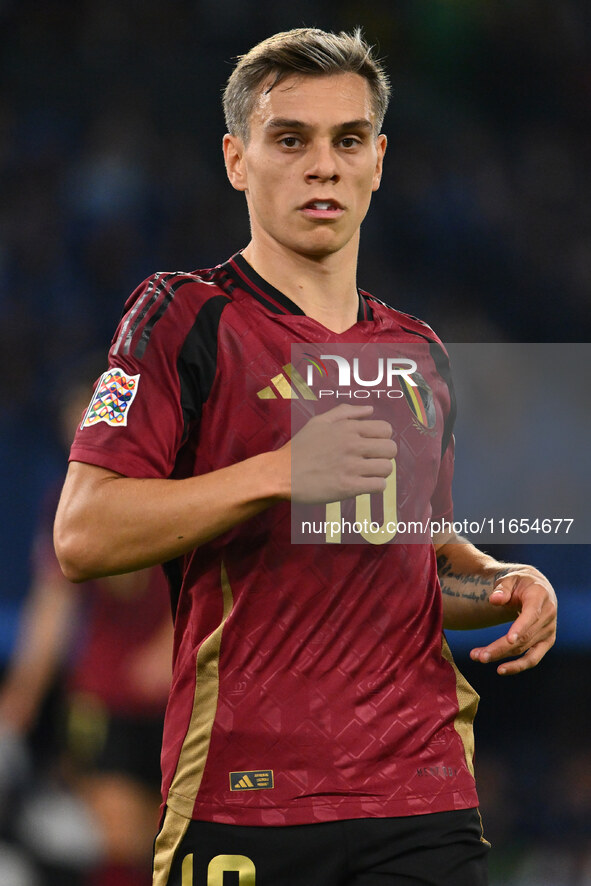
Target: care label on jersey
(257,780)
(112,399)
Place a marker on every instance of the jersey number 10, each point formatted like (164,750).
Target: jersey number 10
(373,532)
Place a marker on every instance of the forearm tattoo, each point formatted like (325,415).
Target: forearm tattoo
(468,586)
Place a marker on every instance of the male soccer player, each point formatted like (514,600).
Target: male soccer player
(317,730)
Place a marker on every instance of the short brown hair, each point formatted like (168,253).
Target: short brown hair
(301,51)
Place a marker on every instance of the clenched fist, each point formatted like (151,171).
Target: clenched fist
(340,454)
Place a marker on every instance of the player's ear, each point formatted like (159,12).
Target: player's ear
(381,144)
(234,159)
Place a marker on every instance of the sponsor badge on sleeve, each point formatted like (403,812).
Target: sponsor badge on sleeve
(112,399)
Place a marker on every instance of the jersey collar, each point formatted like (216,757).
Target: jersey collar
(246,278)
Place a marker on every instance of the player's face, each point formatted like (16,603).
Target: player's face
(311,163)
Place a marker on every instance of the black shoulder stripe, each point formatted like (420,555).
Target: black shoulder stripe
(197,361)
(162,287)
(378,301)
(222,279)
(137,312)
(430,339)
(170,291)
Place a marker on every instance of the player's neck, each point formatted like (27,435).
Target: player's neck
(325,289)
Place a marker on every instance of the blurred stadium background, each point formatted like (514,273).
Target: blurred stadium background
(110,168)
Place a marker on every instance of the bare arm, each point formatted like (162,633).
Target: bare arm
(479,591)
(107,523)
(44,630)
(467,577)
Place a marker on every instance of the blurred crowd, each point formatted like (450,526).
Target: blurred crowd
(110,169)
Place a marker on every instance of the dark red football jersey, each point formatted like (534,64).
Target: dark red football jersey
(311,681)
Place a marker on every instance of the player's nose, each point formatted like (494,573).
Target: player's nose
(322,165)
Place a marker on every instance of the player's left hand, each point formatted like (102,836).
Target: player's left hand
(526,591)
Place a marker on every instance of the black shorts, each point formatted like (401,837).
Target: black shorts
(98,741)
(439,849)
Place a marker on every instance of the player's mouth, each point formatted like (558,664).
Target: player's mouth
(322,209)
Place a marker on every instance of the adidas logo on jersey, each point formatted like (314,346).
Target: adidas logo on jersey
(252,780)
(288,385)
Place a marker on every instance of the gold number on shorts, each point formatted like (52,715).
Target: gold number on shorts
(222,864)
(187,870)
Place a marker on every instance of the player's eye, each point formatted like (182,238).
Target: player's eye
(349,141)
(290,141)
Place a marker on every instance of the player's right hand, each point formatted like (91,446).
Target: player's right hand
(340,454)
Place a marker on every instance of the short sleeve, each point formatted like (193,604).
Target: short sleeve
(134,423)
